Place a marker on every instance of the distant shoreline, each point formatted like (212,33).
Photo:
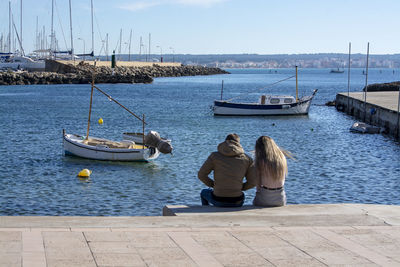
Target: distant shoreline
(317,60)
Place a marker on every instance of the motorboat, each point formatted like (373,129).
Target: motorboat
(267,105)
(337,70)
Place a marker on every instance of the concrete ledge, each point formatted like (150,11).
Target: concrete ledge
(296,215)
(248,216)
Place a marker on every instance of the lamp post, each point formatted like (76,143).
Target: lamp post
(160,53)
(84,47)
(173,54)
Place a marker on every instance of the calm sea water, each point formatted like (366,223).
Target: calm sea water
(332,166)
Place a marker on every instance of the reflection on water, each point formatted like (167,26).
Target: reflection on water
(333,165)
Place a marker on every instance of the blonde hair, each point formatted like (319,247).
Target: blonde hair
(270,160)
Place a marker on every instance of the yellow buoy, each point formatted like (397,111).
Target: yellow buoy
(100,121)
(84,173)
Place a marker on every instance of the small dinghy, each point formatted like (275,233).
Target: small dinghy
(364,128)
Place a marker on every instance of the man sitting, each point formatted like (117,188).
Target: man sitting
(230,165)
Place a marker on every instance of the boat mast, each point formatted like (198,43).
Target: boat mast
(366,86)
(21,26)
(130,40)
(106,46)
(70,24)
(348,80)
(120,43)
(140,48)
(52,29)
(91,101)
(149,46)
(297,88)
(143,123)
(92,28)
(37,34)
(222,88)
(9,26)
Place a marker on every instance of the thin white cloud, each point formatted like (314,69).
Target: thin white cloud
(138,5)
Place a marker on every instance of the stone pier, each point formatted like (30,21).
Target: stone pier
(380,109)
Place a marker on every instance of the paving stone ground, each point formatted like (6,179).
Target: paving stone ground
(197,236)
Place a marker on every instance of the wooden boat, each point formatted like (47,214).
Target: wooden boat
(103,149)
(268,105)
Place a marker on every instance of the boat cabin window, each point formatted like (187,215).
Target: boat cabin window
(288,100)
(274,100)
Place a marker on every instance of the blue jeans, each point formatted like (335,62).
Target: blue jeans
(207,197)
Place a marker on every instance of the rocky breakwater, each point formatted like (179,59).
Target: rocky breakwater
(378,87)
(59,73)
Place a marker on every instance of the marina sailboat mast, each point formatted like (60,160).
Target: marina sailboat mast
(70,24)
(9,27)
(52,48)
(91,4)
(297,88)
(20,33)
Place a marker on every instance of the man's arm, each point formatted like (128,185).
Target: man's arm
(251,178)
(204,171)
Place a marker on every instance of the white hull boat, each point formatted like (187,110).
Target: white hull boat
(284,105)
(103,149)
(269,105)
(21,63)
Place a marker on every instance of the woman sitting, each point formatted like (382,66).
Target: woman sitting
(271,167)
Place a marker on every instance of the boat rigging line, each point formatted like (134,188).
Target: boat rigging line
(18,38)
(61,27)
(112,99)
(263,88)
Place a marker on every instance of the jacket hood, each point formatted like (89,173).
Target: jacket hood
(230,148)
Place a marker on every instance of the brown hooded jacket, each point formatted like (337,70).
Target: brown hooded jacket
(230,165)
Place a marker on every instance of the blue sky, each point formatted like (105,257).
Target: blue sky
(218,26)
